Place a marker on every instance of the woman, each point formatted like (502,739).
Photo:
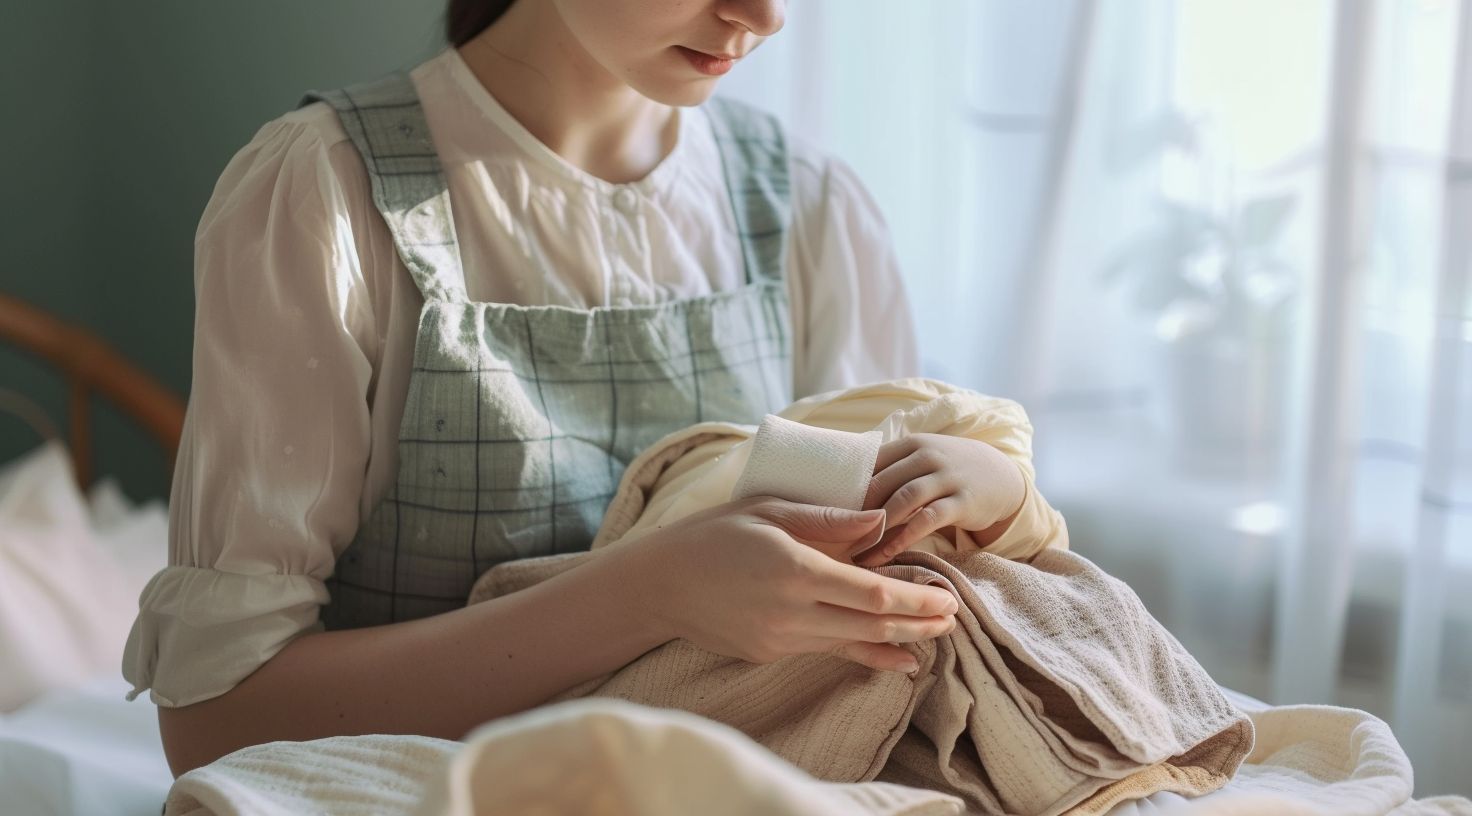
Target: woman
(392,394)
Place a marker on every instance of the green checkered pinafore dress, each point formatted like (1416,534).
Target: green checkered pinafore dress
(520,420)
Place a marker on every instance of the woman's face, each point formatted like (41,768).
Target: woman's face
(669,50)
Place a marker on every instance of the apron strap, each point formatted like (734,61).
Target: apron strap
(386,122)
(754,155)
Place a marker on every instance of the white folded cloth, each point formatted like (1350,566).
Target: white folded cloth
(808,464)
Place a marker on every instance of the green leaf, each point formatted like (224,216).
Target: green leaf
(1263,219)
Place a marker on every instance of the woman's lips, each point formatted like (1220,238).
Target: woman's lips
(708,64)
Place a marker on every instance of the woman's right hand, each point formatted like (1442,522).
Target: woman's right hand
(763,578)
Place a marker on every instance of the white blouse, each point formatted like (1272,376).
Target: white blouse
(306,318)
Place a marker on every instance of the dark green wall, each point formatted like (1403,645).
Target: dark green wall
(118,118)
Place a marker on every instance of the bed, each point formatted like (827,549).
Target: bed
(71,744)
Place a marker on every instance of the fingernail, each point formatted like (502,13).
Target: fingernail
(875,519)
(909,666)
(952,607)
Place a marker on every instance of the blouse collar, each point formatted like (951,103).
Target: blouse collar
(657,179)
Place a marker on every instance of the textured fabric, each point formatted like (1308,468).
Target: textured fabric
(1056,691)
(1305,759)
(1061,694)
(1046,699)
(804,463)
(1308,761)
(628,759)
(1312,760)
(307,320)
(520,420)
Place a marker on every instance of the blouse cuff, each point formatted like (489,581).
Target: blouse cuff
(199,632)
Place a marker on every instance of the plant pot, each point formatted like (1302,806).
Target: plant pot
(1224,396)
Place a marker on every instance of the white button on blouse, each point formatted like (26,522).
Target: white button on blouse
(626,200)
(306,319)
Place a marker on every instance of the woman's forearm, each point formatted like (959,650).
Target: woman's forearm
(439,676)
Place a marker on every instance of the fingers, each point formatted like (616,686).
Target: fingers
(914,495)
(891,452)
(832,530)
(853,587)
(886,481)
(882,656)
(840,623)
(939,513)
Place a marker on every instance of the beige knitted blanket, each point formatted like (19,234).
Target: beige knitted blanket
(1057,692)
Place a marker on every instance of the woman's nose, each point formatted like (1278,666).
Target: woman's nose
(761,17)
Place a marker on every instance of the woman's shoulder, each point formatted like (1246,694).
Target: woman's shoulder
(830,201)
(292,211)
(822,183)
(316,121)
(821,175)
(307,135)
(304,155)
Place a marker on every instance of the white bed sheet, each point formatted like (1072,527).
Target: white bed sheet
(83,750)
(87,751)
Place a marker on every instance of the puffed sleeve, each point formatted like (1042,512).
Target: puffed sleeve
(851,310)
(270,468)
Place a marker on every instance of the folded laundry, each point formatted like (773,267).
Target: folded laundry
(698,466)
(1056,692)
(1055,688)
(805,463)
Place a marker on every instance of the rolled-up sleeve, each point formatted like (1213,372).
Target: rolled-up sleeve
(270,469)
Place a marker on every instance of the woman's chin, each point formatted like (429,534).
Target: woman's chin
(681,92)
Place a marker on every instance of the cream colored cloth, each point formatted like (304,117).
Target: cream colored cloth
(306,318)
(609,757)
(1312,760)
(698,466)
(1058,691)
(596,757)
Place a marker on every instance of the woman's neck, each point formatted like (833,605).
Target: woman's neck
(541,75)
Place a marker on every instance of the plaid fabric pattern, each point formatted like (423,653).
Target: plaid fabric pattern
(520,420)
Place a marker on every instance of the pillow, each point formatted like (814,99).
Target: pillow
(135,535)
(66,603)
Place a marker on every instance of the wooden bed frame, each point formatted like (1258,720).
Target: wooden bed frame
(90,365)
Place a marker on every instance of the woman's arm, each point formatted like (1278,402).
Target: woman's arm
(758,579)
(437,676)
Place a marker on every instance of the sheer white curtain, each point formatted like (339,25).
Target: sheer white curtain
(1222,252)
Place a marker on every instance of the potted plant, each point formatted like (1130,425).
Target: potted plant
(1221,301)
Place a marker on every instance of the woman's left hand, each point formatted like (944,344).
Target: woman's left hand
(927,481)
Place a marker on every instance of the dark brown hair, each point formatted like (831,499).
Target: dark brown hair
(466,18)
